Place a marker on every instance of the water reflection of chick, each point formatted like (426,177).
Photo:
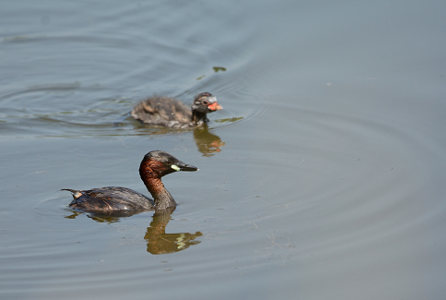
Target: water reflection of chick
(160,242)
(207,142)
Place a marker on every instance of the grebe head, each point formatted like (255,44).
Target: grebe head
(205,103)
(162,163)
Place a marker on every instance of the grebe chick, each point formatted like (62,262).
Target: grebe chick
(113,200)
(168,112)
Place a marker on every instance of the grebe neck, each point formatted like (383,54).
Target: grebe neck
(198,117)
(161,197)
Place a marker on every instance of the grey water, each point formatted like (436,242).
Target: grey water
(322,178)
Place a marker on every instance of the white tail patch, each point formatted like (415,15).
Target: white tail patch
(77,194)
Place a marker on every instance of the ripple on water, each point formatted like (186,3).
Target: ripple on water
(40,110)
(335,185)
(343,182)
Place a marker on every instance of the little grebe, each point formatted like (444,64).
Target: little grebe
(168,112)
(124,201)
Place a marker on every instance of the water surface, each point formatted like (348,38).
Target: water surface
(323,177)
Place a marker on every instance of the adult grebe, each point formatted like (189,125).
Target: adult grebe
(121,200)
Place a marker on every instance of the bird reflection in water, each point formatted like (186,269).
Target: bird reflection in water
(103,218)
(158,241)
(207,143)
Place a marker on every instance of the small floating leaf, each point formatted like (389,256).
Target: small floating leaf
(217,69)
(200,77)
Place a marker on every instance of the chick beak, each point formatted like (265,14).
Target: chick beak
(214,106)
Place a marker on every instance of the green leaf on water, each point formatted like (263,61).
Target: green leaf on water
(218,69)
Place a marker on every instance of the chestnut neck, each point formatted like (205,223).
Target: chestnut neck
(152,180)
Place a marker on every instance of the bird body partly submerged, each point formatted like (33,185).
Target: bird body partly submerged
(109,199)
(124,201)
(169,112)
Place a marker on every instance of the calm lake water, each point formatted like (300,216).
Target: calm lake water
(322,178)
